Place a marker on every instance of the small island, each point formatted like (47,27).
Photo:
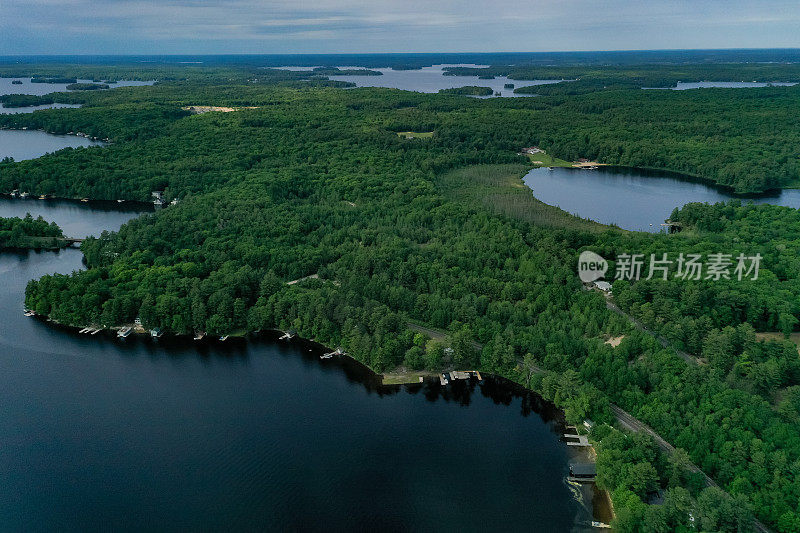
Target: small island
(469,90)
(16,82)
(30,233)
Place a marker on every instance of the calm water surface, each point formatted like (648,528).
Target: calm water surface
(632,199)
(39,89)
(431,79)
(97,433)
(30,109)
(681,86)
(29,144)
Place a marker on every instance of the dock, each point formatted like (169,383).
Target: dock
(583,440)
(443,379)
(287,336)
(337,351)
(582,472)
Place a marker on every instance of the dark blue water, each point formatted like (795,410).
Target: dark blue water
(637,200)
(101,434)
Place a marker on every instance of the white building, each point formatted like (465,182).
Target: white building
(603,286)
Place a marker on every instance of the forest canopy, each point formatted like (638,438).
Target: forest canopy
(310,184)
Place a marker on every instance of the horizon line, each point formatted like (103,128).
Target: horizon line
(620,50)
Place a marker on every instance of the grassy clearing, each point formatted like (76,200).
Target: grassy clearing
(778,336)
(415,134)
(500,189)
(404,377)
(543,159)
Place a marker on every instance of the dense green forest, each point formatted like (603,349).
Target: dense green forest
(440,231)
(469,90)
(30,232)
(592,78)
(24,100)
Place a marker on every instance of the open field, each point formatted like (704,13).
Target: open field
(500,188)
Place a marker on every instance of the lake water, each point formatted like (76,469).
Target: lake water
(29,144)
(102,434)
(30,109)
(430,80)
(681,86)
(39,89)
(637,200)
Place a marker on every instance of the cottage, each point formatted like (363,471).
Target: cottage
(603,286)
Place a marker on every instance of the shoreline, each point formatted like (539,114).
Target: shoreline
(600,508)
(107,141)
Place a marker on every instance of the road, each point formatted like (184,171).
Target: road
(689,358)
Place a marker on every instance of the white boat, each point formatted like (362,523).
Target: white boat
(124,332)
(224,338)
(326,356)
(28,312)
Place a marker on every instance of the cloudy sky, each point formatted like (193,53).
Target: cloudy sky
(328,26)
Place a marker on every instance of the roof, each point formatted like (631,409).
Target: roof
(582,469)
(602,285)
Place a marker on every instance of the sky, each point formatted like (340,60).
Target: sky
(350,26)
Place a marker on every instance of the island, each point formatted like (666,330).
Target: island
(30,233)
(469,90)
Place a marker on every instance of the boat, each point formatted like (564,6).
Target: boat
(224,338)
(42,197)
(156,333)
(550,168)
(84,199)
(326,356)
(23,195)
(199,335)
(287,335)
(28,312)
(120,201)
(124,332)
